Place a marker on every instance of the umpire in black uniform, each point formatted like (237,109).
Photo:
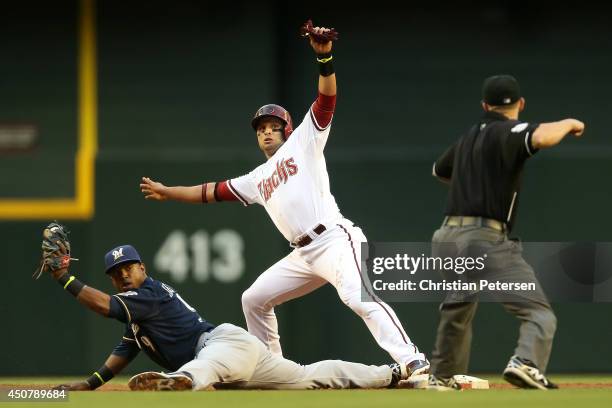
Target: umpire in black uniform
(483,169)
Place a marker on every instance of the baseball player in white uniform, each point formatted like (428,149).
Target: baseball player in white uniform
(293,187)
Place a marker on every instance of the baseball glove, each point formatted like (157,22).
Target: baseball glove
(55,250)
(307,30)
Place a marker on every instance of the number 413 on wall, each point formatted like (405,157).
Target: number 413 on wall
(220,256)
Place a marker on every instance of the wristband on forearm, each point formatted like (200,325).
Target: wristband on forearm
(326,67)
(102,376)
(204,197)
(71,284)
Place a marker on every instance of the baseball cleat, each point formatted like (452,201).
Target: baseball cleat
(416,367)
(442,384)
(396,375)
(154,381)
(523,373)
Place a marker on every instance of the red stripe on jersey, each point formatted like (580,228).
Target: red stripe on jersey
(235,192)
(376,299)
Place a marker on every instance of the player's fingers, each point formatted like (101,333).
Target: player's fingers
(62,247)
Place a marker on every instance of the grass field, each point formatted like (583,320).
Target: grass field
(577,391)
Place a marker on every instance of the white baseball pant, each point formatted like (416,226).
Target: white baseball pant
(334,257)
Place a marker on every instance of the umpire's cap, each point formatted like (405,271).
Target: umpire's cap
(499,90)
(120,255)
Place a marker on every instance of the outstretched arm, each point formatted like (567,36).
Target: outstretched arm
(113,365)
(89,297)
(202,193)
(550,134)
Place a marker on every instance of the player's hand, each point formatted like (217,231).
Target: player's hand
(75,386)
(578,128)
(153,190)
(320,48)
(55,247)
(58,273)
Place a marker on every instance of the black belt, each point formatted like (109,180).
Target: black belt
(306,239)
(465,221)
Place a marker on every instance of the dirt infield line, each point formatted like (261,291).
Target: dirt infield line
(123,387)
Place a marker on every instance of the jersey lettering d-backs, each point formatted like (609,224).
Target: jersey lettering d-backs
(293,184)
(159,322)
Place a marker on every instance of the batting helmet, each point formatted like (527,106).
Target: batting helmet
(275,111)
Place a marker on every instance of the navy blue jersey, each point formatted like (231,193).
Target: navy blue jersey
(127,348)
(159,322)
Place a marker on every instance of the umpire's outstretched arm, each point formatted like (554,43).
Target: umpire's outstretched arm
(551,134)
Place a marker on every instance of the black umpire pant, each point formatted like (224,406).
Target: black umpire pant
(504,263)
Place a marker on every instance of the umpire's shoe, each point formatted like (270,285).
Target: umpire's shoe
(524,374)
(435,383)
(154,381)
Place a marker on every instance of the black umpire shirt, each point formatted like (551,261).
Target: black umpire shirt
(484,167)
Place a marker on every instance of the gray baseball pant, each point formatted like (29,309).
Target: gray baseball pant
(230,355)
(504,263)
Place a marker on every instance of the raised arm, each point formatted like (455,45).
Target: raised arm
(550,134)
(202,193)
(56,257)
(327,77)
(324,106)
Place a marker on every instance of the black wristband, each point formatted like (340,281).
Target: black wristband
(102,376)
(326,68)
(71,284)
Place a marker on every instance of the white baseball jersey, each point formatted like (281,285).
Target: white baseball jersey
(293,184)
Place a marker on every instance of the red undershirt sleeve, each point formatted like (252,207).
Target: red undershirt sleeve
(323,110)
(223,193)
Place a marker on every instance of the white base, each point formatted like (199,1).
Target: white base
(467,382)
